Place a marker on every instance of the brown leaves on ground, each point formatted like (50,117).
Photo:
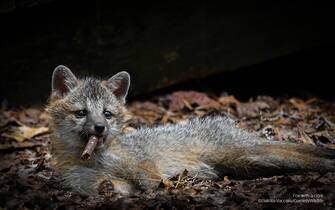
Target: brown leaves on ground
(24,132)
(23,128)
(188,99)
(29,182)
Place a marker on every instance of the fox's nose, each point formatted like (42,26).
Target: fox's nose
(99,127)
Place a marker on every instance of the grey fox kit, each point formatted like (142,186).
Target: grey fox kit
(208,148)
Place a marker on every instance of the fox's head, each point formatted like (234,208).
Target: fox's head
(81,108)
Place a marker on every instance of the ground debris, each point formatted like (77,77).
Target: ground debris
(27,180)
(24,132)
(188,99)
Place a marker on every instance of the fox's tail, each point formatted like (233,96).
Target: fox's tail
(273,158)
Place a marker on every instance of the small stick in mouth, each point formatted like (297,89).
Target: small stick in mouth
(91,144)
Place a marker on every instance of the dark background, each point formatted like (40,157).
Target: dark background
(243,49)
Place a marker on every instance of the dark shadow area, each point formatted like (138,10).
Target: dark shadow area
(274,47)
(304,74)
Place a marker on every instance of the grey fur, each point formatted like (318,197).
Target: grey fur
(208,148)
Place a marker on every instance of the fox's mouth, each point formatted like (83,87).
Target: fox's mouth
(94,142)
(101,139)
(101,142)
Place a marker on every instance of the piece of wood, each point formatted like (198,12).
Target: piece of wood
(90,146)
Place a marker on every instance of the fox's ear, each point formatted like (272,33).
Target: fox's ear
(63,80)
(119,85)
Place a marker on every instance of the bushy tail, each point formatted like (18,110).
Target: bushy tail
(275,158)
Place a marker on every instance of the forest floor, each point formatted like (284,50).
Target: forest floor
(28,181)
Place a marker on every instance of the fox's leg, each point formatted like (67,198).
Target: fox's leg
(83,180)
(86,181)
(122,186)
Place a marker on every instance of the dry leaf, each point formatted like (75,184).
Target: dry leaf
(24,132)
(181,99)
(251,109)
(148,111)
(168,183)
(24,144)
(298,103)
(181,178)
(304,137)
(330,146)
(229,101)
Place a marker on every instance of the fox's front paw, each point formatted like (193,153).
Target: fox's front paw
(118,186)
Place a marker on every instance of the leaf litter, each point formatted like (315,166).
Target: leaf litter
(23,132)
(28,181)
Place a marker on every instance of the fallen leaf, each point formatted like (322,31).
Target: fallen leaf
(269,100)
(284,121)
(24,144)
(29,116)
(181,178)
(229,101)
(330,146)
(304,136)
(226,181)
(148,111)
(24,132)
(251,109)
(167,183)
(185,99)
(195,191)
(298,103)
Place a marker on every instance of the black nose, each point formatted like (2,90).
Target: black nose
(99,127)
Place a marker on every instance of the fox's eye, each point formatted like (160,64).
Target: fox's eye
(108,114)
(80,113)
